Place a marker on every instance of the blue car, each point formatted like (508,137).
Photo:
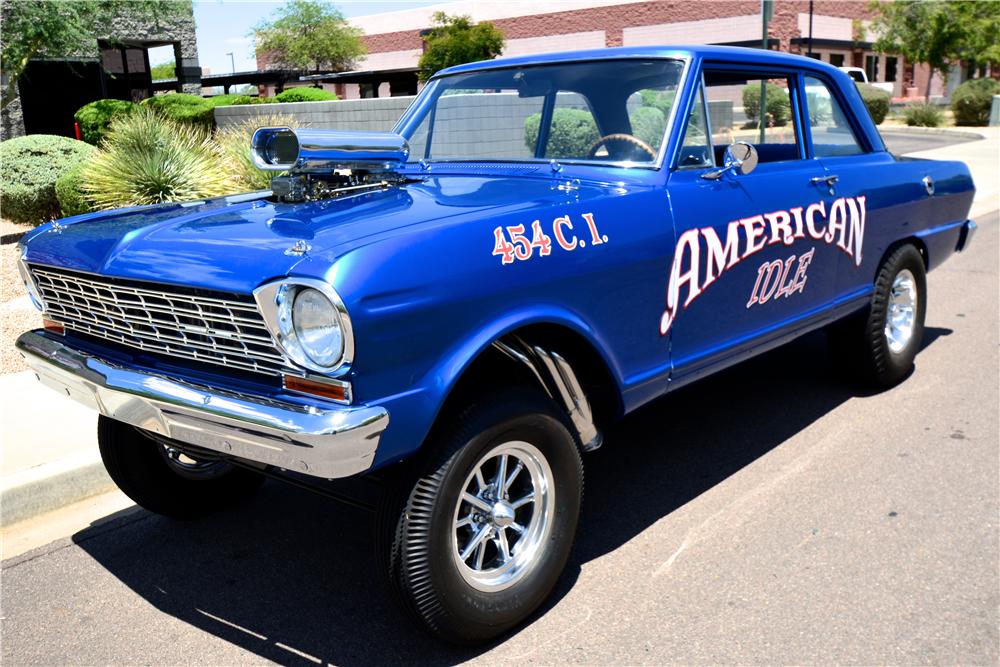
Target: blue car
(456,310)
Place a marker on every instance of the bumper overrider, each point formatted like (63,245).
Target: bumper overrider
(328,442)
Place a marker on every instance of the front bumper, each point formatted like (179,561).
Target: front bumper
(969,228)
(326,442)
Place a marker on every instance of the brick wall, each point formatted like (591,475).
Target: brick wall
(377,114)
(614,19)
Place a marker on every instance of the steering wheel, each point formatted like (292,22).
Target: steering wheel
(627,138)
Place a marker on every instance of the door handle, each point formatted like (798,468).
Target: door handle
(830,181)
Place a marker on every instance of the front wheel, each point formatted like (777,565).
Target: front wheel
(485,531)
(165,480)
(881,342)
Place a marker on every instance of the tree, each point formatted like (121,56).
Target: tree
(163,71)
(56,28)
(309,35)
(938,33)
(455,40)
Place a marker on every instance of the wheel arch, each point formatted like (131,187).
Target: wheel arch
(915,241)
(569,337)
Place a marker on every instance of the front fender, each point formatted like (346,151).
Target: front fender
(413,412)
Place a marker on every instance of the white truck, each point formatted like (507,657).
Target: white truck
(860,76)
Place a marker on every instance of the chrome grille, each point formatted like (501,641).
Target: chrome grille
(175,323)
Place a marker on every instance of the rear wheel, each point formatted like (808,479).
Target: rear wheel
(164,479)
(881,342)
(477,542)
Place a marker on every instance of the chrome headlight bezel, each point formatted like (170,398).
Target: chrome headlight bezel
(29,282)
(276,302)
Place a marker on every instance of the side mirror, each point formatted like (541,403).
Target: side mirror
(740,158)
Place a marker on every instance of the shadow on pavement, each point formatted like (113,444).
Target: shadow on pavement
(289,576)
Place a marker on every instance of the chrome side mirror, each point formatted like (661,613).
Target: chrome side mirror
(740,158)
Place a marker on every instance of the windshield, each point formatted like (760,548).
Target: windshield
(606,111)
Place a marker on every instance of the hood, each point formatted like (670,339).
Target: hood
(236,243)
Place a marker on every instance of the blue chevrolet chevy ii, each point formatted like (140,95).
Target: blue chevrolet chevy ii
(456,309)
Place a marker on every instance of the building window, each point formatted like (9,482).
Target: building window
(871,67)
(891,67)
(837,59)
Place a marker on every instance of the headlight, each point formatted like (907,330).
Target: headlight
(29,283)
(317,327)
(309,322)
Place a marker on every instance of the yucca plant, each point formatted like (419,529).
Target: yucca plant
(232,144)
(148,159)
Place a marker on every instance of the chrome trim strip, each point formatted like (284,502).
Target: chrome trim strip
(318,440)
(560,382)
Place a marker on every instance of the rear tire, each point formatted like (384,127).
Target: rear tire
(517,549)
(879,344)
(167,482)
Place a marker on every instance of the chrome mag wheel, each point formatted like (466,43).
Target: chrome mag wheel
(503,516)
(190,467)
(902,311)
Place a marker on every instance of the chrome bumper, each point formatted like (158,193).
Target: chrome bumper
(969,228)
(323,442)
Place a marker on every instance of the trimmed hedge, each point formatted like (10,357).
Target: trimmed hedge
(971,101)
(778,105)
(923,115)
(95,117)
(572,134)
(877,101)
(304,95)
(71,200)
(183,108)
(29,169)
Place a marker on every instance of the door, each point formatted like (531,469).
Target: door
(756,253)
(864,182)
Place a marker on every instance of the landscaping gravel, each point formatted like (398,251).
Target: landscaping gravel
(17,315)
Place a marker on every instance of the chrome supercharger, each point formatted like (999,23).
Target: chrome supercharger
(321,164)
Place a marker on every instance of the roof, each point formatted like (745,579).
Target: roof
(730,53)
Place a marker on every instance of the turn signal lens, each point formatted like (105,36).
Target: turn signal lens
(54,327)
(338,391)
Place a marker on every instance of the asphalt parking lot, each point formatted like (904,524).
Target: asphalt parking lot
(903,142)
(771,514)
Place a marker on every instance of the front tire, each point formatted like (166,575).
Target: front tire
(486,529)
(166,481)
(881,342)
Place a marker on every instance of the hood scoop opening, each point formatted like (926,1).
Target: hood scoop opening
(327,164)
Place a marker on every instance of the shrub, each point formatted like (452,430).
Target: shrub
(95,117)
(148,159)
(648,124)
(658,100)
(572,134)
(923,115)
(69,193)
(183,108)
(971,101)
(29,169)
(304,95)
(232,145)
(877,101)
(778,105)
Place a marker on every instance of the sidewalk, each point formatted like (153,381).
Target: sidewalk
(49,457)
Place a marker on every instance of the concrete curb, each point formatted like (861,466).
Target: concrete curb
(29,493)
(965,134)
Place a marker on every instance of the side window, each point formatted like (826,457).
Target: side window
(737,113)
(696,149)
(831,132)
